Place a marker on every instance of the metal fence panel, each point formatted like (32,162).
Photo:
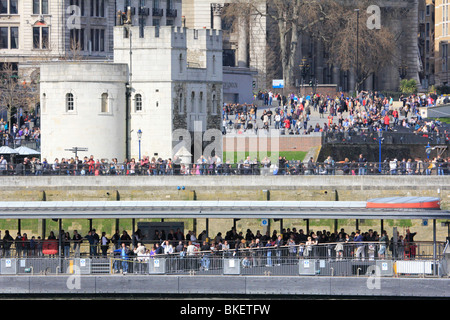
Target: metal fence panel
(231,266)
(307,267)
(8,266)
(385,268)
(421,267)
(157,266)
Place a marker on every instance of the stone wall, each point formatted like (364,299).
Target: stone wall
(255,143)
(298,188)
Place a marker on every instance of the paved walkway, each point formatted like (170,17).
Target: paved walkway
(315,118)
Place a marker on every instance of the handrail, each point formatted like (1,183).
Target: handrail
(293,167)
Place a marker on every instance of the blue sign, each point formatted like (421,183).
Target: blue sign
(278,84)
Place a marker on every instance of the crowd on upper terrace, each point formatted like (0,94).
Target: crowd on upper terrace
(25,130)
(292,113)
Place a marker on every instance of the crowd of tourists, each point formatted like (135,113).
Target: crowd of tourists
(89,166)
(290,242)
(25,131)
(292,113)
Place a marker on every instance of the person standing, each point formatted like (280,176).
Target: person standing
(279,243)
(96,241)
(77,240)
(104,244)
(115,239)
(359,246)
(123,252)
(384,240)
(409,243)
(7,242)
(18,244)
(66,242)
(89,237)
(362,165)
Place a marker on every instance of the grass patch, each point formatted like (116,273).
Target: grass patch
(445,120)
(235,157)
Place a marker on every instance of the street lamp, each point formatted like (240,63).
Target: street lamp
(380,138)
(357,50)
(403,71)
(139,134)
(304,69)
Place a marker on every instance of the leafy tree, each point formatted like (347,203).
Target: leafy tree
(408,86)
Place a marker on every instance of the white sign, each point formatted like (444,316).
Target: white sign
(82,262)
(231,263)
(8,263)
(322,263)
(384,266)
(306,264)
(278,84)
(156,263)
(264,222)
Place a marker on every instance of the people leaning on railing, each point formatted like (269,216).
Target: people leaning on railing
(282,167)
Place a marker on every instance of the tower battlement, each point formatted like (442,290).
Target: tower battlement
(166,37)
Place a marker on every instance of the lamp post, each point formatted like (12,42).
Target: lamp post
(304,69)
(139,134)
(357,50)
(403,71)
(380,138)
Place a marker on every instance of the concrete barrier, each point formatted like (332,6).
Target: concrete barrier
(226,285)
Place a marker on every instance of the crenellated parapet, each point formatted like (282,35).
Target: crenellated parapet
(166,37)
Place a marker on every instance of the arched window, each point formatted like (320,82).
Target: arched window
(44,103)
(201,105)
(180,61)
(193,107)
(214,104)
(138,102)
(69,102)
(105,104)
(180,103)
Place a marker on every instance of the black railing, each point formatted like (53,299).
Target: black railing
(420,250)
(365,136)
(340,168)
(171,13)
(157,12)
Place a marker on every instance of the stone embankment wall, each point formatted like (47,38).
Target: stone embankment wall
(298,188)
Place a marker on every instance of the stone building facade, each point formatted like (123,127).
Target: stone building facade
(244,46)
(441,43)
(42,30)
(163,80)
(252,44)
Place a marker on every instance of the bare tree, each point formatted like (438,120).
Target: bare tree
(357,48)
(332,22)
(15,92)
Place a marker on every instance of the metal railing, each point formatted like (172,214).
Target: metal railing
(365,136)
(420,250)
(248,262)
(425,167)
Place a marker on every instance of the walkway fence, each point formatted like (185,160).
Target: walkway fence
(419,259)
(365,136)
(426,167)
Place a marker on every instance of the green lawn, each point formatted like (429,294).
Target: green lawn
(235,157)
(446,120)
